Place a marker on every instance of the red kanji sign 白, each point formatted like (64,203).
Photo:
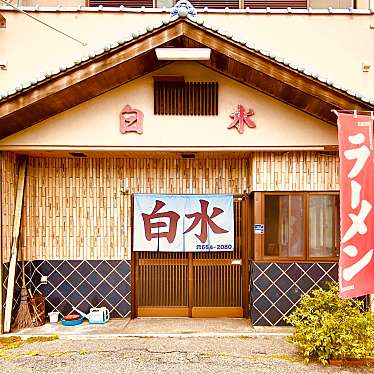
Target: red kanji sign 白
(131,120)
(149,223)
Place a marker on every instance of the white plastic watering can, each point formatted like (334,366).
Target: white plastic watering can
(99,315)
(96,315)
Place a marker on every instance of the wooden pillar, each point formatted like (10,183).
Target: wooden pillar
(1,247)
(245,231)
(258,241)
(134,259)
(190,283)
(14,251)
(2,22)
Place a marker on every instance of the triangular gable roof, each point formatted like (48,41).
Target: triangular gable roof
(134,56)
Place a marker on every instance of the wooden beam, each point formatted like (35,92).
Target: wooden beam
(14,250)
(26,116)
(272,87)
(217,312)
(246,231)
(134,267)
(84,82)
(169,78)
(1,246)
(2,22)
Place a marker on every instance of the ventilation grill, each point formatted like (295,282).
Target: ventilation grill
(276,4)
(186,98)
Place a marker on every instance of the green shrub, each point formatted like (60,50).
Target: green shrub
(328,327)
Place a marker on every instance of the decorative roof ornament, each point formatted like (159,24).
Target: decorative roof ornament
(183,8)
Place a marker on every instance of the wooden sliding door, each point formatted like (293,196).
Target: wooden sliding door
(213,284)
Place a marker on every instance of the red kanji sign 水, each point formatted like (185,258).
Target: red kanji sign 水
(241,118)
(206,221)
(356,264)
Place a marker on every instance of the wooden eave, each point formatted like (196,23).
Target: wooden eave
(2,22)
(137,58)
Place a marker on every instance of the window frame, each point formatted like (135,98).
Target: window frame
(259,239)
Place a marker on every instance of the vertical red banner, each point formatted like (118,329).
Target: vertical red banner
(356,264)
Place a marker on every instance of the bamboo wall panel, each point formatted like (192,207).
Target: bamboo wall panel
(295,171)
(74,208)
(9,179)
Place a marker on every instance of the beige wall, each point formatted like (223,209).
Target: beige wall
(96,122)
(332,45)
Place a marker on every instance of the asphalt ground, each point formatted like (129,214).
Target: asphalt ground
(262,354)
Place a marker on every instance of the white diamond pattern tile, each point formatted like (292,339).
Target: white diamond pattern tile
(87,286)
(275,292)
(17,286)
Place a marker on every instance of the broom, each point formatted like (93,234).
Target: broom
(24,318)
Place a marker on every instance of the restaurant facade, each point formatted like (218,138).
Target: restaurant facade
(100,128)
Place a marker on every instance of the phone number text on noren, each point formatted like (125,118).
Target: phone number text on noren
(210,246)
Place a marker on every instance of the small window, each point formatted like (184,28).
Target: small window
(284,223)
(323,225)
(300,226)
